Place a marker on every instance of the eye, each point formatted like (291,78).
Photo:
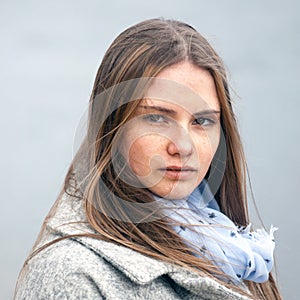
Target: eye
(204,121)
(155,118)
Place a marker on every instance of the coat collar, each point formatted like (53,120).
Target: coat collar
(69,219)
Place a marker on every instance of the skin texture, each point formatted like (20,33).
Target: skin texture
(169,143)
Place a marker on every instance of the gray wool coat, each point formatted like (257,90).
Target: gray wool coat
(87,268)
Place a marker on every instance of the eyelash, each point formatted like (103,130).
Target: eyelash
(153,118)
(150,117)
(209,120)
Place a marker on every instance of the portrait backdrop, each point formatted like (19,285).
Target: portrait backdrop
(49,55)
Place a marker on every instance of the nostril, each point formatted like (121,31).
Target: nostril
(179,141)
(180,147)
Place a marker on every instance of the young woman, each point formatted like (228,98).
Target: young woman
(154,203)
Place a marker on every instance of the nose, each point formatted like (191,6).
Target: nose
(180,144)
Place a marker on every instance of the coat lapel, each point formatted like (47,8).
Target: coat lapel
(70,219)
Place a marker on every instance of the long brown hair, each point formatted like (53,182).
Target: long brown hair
(142,51)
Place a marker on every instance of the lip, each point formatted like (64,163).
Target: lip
(178,172)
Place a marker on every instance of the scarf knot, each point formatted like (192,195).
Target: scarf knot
(239,252)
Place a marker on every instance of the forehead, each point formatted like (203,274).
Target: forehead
(186,86)
(172,96)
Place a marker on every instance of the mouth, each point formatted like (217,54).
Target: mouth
(179,168)
(179,172)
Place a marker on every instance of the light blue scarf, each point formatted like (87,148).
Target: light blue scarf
(239,252)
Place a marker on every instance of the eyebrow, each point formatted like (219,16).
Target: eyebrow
(173,112)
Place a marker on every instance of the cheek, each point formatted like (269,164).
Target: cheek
(142,153)
(138,159)
(206,149)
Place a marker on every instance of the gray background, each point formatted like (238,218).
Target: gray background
(49,55)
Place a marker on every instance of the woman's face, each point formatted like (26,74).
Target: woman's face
(170,141)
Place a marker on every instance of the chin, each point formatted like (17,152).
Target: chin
(174,194)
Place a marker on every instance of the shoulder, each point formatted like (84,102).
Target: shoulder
(71,269)
(89,268)
(60,271)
